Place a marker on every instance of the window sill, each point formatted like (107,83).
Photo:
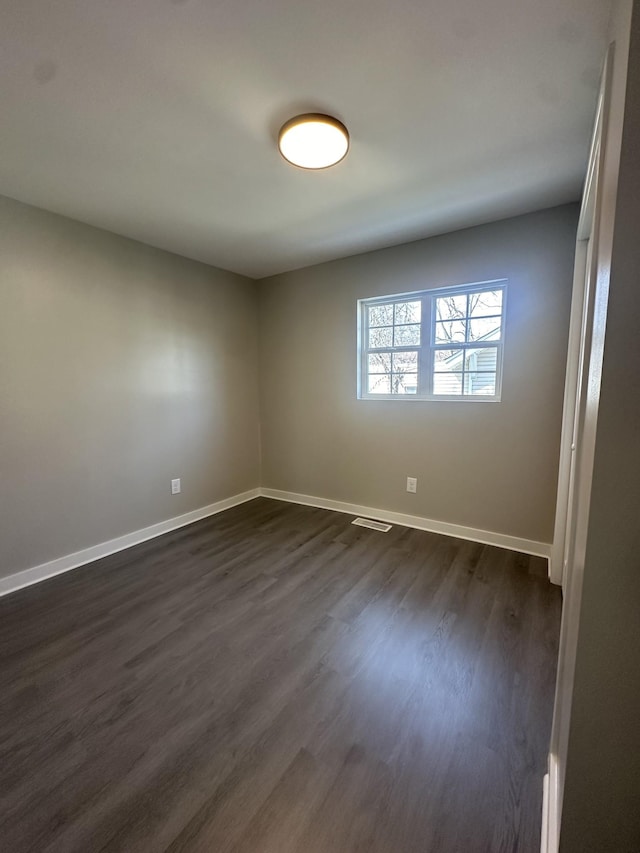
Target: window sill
(415,398)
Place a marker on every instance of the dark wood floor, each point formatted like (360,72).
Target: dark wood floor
(276,680)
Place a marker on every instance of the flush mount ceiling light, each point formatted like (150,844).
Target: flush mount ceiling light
(313,141)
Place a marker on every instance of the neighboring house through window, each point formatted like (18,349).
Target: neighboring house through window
(443,344)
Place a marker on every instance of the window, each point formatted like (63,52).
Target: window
(433,345)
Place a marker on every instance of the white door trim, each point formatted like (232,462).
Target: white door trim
(597,219)
(576,343)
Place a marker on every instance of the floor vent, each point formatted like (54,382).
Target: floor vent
(374,525)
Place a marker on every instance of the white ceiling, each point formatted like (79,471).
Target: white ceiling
(157,119)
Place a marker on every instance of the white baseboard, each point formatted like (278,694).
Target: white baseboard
(484,537)
(550,835)
(27,577)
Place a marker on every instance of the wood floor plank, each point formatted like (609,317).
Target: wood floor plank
(276,679)
(279,824)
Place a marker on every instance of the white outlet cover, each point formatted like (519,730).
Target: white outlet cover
(175,487)
(412,484)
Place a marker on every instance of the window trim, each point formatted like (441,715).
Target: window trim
(426,350)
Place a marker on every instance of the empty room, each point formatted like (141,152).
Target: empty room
(320,426)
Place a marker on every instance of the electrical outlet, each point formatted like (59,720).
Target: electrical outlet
(176,488)
(412,484)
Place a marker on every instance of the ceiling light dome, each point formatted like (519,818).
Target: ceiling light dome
(313,141)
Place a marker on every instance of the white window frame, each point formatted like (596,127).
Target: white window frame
(427,348)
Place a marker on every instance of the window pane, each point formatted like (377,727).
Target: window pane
(379,362)
(405,362)
(480,384)
(407,312)
(487,328)
(450,331)
(382,337)
(487,302)
(458,331)
(406,336)
(451,307)
(447,383)
(379,384)
(482,359)
(448,359)
(381,315)
(404,383)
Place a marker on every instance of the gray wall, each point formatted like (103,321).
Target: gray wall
(602,787)
(491,466)
(121,366)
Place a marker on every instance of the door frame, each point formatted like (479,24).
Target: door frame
(584,269)
(577,454)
